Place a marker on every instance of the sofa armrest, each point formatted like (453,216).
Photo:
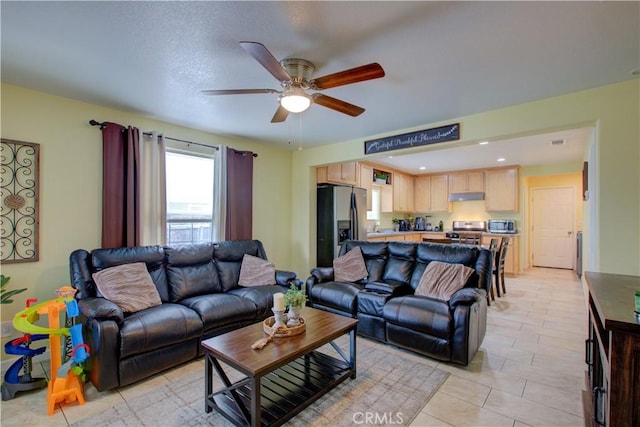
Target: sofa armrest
(285,278)
(100,308)
(392,288)
(467,296)
(321,274)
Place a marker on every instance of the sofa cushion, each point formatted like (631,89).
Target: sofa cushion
(256,271)
(192,280)
(217,310)
(350,267)
(261,296)
(441,280)
(129,286)
(158,327)
(420,314)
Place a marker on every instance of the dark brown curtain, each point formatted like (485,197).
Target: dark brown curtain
(120,186)
(239,194)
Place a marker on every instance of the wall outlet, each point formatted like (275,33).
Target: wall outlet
(7,329)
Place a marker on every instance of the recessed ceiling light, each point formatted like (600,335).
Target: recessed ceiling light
(422,168)
(483,143)
(501,159)
(390,157)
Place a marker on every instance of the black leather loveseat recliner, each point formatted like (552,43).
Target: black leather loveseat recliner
(198,288)
(387,309)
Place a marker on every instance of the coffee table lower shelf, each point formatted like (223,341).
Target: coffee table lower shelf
(283,392)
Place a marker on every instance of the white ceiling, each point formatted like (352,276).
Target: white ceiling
(442,60)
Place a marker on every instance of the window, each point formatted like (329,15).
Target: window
(374,213)
(189,197)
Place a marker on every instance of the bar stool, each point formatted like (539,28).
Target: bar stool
(493,248)
(498,270)
(470,239)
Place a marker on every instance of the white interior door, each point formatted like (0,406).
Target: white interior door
(553,224)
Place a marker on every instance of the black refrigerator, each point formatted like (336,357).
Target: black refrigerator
(341,215)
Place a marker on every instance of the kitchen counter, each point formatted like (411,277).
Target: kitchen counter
(405,233)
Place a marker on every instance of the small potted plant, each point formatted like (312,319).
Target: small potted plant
(295,299)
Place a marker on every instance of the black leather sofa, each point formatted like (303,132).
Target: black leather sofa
(387,309)
(126,348)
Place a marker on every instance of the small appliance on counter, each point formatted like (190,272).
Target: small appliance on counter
(419,224)
(506,226)
(403,225)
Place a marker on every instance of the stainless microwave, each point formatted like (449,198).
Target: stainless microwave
(502,226)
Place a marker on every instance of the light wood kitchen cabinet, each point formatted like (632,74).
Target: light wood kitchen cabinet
(431,194)
(466,182)
(366,182)
(402,192)
(440,193)
(339,173)
(501,190)
(386,198)
(415,237)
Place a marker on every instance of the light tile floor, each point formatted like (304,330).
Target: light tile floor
(528,372)
(530,368)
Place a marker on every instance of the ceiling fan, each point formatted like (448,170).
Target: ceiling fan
(294,75)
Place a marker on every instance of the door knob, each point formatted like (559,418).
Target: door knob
(569,233)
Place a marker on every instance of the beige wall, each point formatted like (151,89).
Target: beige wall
(612,110)
(71,182)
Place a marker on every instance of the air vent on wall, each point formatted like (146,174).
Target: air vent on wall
(557,142)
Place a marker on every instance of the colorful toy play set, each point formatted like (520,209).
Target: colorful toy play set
(64,385)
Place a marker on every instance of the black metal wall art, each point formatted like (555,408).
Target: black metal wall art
(19,177)
(413,139)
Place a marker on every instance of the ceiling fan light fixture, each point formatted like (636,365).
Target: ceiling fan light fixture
(295,100)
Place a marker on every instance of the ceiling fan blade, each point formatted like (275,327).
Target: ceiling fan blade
(280,115)
(238,91)
(266,59)
(338,105)
(353,75)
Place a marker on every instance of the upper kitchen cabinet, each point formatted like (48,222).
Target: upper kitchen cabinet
(431,194)
(366,182)
(402,192)
(339,173)
(466,182)
(501,190)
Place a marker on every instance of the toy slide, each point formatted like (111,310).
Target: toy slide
(13,381)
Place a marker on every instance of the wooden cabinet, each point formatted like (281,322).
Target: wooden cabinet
(402,192)
(431,194)
(415,237)
(386,198)
(366,182)
(339,173)
(466,182)
(440,193)
(501,190)
(612,352)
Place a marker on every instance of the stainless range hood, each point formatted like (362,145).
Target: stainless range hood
(464,197)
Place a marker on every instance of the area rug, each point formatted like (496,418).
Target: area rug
(390,389)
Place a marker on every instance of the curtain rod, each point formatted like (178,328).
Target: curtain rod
(102,125)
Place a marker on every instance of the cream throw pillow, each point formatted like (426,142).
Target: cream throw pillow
(350,267)
(256,271)
(129,286)
(441,280)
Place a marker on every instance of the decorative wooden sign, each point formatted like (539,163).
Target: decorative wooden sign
(19,201)
(413,139)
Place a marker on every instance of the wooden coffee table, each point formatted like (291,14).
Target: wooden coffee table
(284,377)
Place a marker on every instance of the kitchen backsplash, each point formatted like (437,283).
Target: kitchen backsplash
(462,211)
